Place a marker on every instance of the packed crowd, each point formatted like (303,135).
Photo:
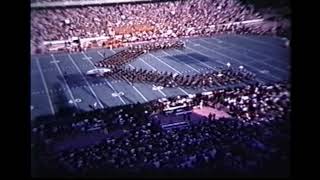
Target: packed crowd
(251,103)
(43,1)
(255,139)
(167,19)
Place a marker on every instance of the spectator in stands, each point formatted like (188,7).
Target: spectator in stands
(136,22)
(223,144)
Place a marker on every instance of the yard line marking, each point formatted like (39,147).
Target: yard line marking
(144,98)
(113,51)
(34,93)
(166,64)
(99,54)
(256,52)
(69,90)
(85,79)
(54,62)
(222,54)
(131,66)
(86,58)
(45,86)
(162,93)
(226,56)
(274,67)
(203,54)
(154,69)
(182,62)
(140,93)
(108,83)
(185,92)
(256,41)
(158,88)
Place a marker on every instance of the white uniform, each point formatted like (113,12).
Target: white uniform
(201,104)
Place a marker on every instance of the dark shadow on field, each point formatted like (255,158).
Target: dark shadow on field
(75,80)
(199,57)
(61,102)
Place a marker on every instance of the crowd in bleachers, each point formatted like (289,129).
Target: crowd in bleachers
(167,19)
(46,1)
(256,138)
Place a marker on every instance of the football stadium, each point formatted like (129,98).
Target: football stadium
(160,88)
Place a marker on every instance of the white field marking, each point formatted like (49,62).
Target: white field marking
(185,92)
(199,61)
(277,78)
(108,83)
(183,62)
(35,92)
(145,99)
(85,58)
(234,45)
(100,54)
(131,66)
(162,93)
(252,59)
(203,54)
(257,41)
(274,67)
(113,51)
(205,63)
(158,88)
(154,69)
(264,71)
(45,86)
(140,92)
(128,64)
(54,61)
(85,79)
(166,64)
(69,90)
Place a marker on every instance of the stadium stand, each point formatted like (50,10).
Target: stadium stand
(174,19)
(241,128)
(258,115)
